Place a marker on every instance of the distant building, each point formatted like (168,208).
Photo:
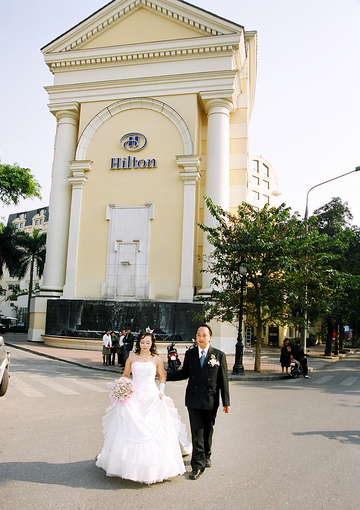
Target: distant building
(262,183)
(30,220)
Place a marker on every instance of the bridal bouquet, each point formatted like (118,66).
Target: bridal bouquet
(121,390)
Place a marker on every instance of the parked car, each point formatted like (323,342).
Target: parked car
(4,367)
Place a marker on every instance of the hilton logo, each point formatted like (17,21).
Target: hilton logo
(133,142)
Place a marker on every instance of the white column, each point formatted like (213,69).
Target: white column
(77,181)
(67,116)
(217,177)
(190,176)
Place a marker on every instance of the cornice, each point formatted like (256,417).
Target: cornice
(200,21)
(158,85)
(209,47)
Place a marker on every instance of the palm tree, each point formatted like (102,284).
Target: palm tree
(9,252)
(32,249)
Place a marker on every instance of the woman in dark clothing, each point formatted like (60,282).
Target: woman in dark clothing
(285,356)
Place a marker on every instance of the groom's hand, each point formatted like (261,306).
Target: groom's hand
(226,409)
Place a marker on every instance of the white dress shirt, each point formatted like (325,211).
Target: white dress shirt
(107,340)
(205,351)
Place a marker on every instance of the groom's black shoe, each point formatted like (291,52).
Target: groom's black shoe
(195,473)
(208,463)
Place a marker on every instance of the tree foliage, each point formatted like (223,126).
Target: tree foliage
(17,183)
(289,264)
(333,219)
(20,251)
(9,253)
(32,251)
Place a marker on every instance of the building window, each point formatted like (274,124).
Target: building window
(265,170)
(266,199)
(266,184)
(255,166)
(255,195)
(36,222)
(22,225)
(255,180)
(41,221)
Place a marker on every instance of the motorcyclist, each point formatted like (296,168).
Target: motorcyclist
(297,352)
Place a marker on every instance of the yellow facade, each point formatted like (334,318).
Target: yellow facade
(123,222)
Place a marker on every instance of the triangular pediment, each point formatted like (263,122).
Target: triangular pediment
(124,22)
(140,27)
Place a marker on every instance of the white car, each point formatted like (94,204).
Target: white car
(4,367)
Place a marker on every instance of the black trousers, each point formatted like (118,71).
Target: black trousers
(112,355)
(202,428)
(304,365)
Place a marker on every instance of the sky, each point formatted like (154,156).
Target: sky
(306,118)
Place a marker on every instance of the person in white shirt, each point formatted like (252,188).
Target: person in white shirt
(106,348)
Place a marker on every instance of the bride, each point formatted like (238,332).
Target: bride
(144,439)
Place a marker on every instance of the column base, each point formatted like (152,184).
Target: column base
(38,309)
(186,294)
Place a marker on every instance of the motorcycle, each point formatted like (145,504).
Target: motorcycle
(296,369)
(172,357)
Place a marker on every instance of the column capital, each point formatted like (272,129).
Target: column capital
(78,169)
(190,165)
(222,101)
(188,162)
(81,165)
(65,110)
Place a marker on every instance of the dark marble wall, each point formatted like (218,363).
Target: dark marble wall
(90,318)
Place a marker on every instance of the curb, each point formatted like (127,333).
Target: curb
(56,358)
(239,378)
(245,377)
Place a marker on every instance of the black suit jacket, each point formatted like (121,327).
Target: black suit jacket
(129,341)
(205,384)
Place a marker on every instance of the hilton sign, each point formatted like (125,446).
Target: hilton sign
(132,142)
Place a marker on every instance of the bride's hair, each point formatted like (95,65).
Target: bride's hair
(143,333)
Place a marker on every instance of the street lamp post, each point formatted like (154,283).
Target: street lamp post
(238,368)
(306,217)
(325,182)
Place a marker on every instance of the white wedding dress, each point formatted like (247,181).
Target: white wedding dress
(144,439)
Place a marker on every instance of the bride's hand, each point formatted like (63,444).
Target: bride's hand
(162,390)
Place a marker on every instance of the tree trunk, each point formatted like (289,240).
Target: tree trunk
(342,334)
(257,366)
(329,337)
(30,291)
(336,349)
(355,334)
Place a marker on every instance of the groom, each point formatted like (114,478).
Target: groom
(206,370)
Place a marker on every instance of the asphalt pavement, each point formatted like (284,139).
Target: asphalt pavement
(270,364)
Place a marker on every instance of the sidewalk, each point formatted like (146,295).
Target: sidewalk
(270,365)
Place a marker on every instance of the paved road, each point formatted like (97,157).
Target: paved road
(285,444)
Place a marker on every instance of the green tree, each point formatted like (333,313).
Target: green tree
(17,183)
(333,219)
(273,245)
(9,253)
(353,302)
(32,250)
